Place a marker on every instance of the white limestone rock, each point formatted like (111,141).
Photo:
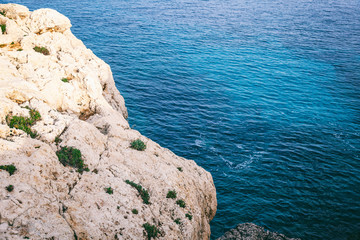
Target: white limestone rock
(43,20)
(88,113)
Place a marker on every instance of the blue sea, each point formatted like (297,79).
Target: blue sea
(264,94)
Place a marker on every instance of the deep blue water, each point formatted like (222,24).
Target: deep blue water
(263,94)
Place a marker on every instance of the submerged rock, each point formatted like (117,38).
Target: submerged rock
(250,231)
(46,71)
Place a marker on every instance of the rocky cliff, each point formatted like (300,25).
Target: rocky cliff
(67,168)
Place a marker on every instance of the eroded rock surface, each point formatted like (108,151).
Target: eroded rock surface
(250,231)
(80,107)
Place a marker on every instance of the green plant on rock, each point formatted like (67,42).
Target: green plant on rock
(3,28)
(138,145)
(171,194)
(151,230)
(109,190)
(142,191)
(58,140)
(135,211)
(20,49)
(177,221)
(70,156)
(3,13)
(42,50)
(34,115)
(9,168)
(65,80)
(24,123)
(180,169)
(181,203)
(189,216)
(10,188)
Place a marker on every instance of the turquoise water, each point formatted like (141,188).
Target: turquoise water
(263,94)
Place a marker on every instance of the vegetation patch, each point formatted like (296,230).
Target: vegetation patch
(20,49)
(70,156)
(189,216)
(58,140)
(65,80)
(3,13)
(180,169)
(177,221)
(10,188)
(151,231)
(181,203)
(135,211)
(142,191)
(9,168)
(109,190)
(3,28)
(34,115)
(42,50)
(24,123)
(138,145)
(171,194)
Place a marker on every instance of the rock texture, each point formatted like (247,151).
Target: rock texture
(80,107)
(250,231)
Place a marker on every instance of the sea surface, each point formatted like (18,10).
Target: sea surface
(264,94)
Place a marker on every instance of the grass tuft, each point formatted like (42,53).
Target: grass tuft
(10,188)
(142,191)
(9,168)
(70,156)
(109,190)
(180,169)
(24,123)
(181,203)
(177,221)
(138,145)
(20,49)
(3,13)
(65,80)
(58,140)
(171,194)
(189,216)
(134,211)
(34,115)
(3,28)
(151,230)
(42,50)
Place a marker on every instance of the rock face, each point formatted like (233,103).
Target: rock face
(250,231)
(80,107)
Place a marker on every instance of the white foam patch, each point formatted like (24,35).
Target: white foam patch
(199,143)
(239,146)
(245,164)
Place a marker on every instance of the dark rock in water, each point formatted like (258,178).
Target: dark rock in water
(250,231)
